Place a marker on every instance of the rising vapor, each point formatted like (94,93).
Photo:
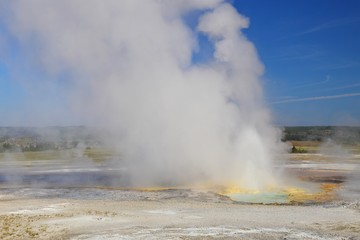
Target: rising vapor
(131,71)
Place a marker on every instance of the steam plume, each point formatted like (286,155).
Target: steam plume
(131,70)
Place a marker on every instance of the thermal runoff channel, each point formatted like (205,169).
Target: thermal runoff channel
(134,68)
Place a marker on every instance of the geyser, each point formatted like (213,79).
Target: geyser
(129,67)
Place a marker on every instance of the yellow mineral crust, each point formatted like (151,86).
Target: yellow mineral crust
(295,195)
(325,194)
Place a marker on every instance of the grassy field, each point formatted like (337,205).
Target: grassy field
(95,154)
(316,146)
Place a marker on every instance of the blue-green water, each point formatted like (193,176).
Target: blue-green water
(264,198)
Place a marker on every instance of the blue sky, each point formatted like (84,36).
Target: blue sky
(311,53)
(310,50)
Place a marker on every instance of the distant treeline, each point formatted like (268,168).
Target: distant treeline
(340,134)
(46,138)
(50,138)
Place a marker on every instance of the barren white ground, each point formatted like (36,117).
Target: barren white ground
(196,216)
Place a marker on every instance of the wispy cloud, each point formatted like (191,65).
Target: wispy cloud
(282,98)
(307,85)
(341,87)
(330,24)
(317,98)
(352,64)
(327,25)
(296,52)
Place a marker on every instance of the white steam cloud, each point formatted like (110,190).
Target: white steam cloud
(131,70)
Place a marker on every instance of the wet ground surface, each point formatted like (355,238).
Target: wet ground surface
(86,203)
(110,194)
(65,176)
